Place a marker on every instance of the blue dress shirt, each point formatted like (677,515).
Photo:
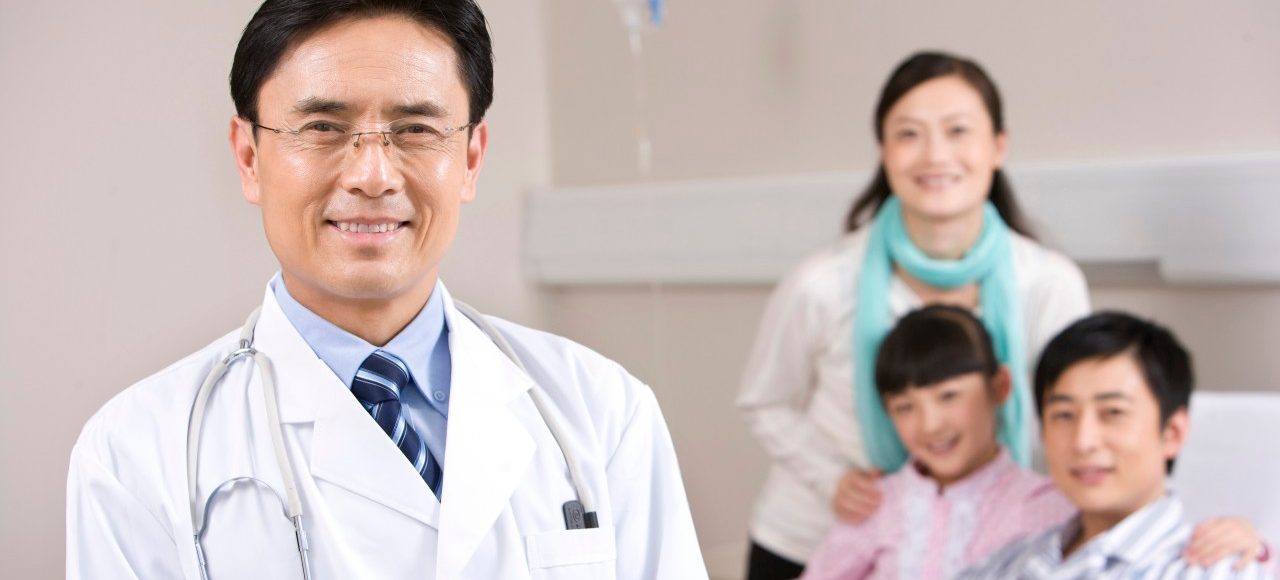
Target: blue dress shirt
(423,345)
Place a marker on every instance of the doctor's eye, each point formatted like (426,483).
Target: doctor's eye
(958,131)
(416,129)
(417,136)
(321,127)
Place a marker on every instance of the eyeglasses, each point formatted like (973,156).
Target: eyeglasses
(412,138)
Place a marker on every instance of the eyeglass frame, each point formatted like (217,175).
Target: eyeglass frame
(356,135)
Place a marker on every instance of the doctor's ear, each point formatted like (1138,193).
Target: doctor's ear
(477,146)
(244,148)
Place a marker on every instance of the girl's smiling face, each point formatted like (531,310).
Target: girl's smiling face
(950,427)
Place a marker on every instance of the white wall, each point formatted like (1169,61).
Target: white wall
(741,88)
(127,244)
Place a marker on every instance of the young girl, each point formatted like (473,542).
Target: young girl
(938,224)
(959,498)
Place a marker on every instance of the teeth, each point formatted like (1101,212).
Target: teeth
(942,447)
(367,228)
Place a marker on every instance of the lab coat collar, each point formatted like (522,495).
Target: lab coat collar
(489,448)
(347,447)
(305,385)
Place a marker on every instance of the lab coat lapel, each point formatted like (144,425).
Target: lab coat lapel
(348,448)
(489,448)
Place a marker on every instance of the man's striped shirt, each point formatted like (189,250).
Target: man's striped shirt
(1147,545)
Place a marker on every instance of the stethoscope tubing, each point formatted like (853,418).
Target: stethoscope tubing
(291,502)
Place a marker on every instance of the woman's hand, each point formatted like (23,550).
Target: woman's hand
(1218,538)
(857,495)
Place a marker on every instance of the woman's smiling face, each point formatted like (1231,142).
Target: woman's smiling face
(940,150)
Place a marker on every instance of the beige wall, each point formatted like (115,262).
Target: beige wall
(751,87)
(760,87)
(127,244)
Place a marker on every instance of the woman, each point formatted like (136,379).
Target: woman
(938,224)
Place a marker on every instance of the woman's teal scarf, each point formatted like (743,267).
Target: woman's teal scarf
(990,263)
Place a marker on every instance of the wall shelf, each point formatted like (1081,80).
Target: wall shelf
(1199,220)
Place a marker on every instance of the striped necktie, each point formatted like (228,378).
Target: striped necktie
(377,386)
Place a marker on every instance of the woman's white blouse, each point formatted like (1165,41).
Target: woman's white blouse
(797,386)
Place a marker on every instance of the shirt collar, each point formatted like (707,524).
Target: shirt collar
(1132,540)
(974,484)
(344,352)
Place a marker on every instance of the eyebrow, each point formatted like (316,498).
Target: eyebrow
(313,105)
(421,109)
(1107,396)
(317,105)
(1056,398)
(910,119)
(1111,396)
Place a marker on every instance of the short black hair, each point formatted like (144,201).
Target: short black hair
(931,345)
(1165,364)
(279,25)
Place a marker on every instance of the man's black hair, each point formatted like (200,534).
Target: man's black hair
(279,25)
(1165,364)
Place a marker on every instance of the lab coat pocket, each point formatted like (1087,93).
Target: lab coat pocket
(586,554)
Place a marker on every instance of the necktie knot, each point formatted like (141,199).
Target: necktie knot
(380,378)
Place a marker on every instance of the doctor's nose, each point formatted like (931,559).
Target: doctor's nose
(370,168)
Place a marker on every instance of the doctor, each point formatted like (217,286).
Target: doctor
(412,443)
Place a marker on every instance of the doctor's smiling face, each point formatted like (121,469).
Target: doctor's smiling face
(362,160)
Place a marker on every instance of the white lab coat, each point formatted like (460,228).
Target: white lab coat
(368,514)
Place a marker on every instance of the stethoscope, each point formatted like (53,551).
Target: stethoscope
(580,513)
